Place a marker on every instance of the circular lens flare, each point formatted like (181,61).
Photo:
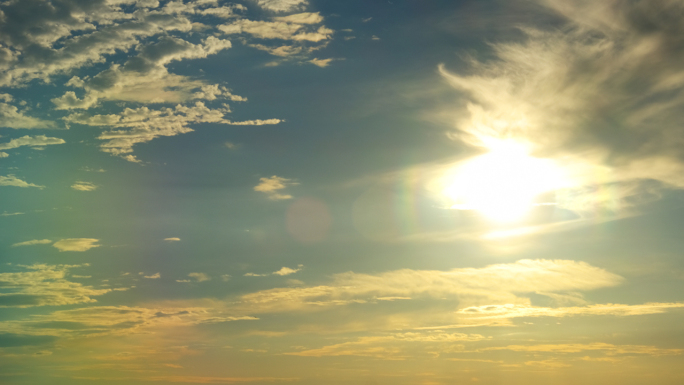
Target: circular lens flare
(503,183)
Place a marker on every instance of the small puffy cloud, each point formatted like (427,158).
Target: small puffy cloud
(84,186)
(231,145)
(287,271)
(320,62)
(76,244)
(254,275)
(153,276)
(282,5)
(31,141)
(271,186)
(11,180)
(199,277)
(172,239)
(3,154)
(33,242)
(225,277)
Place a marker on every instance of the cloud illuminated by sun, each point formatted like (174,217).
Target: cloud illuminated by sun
(503,183)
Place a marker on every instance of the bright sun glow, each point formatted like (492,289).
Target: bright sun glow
(503,183)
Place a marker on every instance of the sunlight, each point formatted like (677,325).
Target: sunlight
(503,183)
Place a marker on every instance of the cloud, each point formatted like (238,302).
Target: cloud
(11,180)
(498,284)
(255,275)
(84,186)
(597,346)
(142,125)
(172,239)
(33,242)
(282,5)
(287,271)
(44,285)
(299,28)
(153,276)
(603,89)
(515,311)
(118,320)
(199,277)
(11,117)
(31,141)
(395,346)
(272,185)
(321,62)
(76,244)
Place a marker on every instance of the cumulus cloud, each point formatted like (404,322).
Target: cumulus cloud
(11,180)
(44,285)
(604,89)
(153,276)
(172,239)
(33,242)
(84,186)
(76,244)
(272,185)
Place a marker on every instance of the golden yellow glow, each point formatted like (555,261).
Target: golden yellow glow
(503,183)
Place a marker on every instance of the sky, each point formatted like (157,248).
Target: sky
(341,192)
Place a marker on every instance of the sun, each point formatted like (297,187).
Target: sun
(503,183)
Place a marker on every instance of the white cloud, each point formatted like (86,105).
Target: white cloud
(199,277)
(31,141)
(44,285)
(321,62)
(76,244)
(287,271)
(84,186)
(33,242)
(172,239)
(153,276)
(571,91)
(302,18)
(494,284)
(142,124)
(271,186)
(11,180)
(11,117)
(282,5)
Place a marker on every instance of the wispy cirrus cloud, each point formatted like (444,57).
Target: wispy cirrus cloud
(44,285)
(500,284)
(33,242)
(601,93)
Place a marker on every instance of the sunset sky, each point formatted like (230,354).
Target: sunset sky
(308,192)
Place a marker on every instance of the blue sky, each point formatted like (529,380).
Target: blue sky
(341,192)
